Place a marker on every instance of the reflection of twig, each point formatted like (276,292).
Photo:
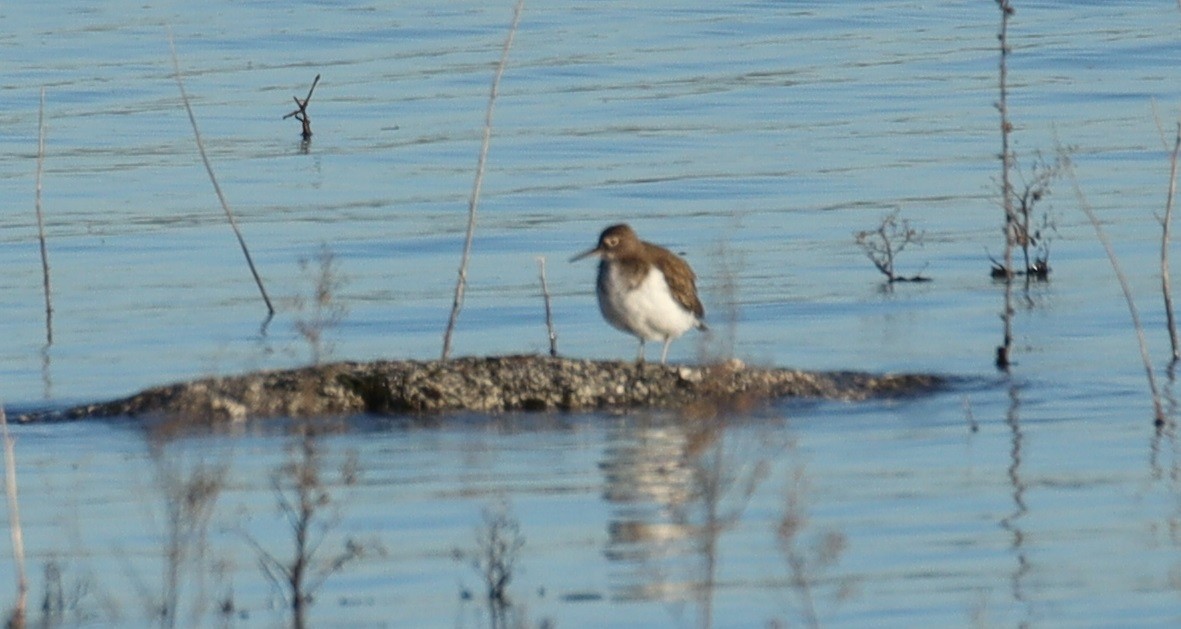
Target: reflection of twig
(473,202)
(209,169)
(41,221)
(1017,483)
(549,313)
(303,495)
(301,114)
(17,618)
(190,498)
(722,488)
(806,563)
(973,426)
(498,546)
(793,521)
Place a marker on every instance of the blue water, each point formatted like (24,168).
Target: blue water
(755,139)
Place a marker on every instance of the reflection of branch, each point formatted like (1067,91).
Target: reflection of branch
(807,563)
(17,617)
(794,520)
(498,547)
(716,478)
(1009,523)
(302,496)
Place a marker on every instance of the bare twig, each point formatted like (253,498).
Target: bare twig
(549,313)
(461,282)
(1164,248)
(301,114)
(213,178)
(17,618)
(1159,418)
(41,222)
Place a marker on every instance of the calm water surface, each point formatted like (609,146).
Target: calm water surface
(755,138)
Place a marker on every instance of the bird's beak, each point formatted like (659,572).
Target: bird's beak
(593,251)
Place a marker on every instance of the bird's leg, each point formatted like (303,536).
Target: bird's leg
(664,354)
(640,356)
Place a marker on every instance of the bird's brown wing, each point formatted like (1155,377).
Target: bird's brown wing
(681,282)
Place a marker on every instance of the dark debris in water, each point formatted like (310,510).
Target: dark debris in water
(491,385)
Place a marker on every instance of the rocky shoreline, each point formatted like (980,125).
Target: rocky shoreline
(497,384)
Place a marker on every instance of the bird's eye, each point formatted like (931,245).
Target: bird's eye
(612,241)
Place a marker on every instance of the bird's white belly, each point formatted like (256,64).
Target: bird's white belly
(648,311)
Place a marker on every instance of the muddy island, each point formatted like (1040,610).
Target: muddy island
(492,385)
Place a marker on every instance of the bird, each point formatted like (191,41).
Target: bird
(644,289)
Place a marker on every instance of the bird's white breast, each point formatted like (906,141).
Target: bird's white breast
(648,311)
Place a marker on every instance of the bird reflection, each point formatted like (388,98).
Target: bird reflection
(647,478)
(675,489)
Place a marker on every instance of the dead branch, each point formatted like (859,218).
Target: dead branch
(301,114)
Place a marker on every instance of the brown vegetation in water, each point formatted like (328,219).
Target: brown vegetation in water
(883,245)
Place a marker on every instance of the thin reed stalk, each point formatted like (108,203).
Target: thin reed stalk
(473,201)
(41,222)
(1166,223)
(1002,105)
(1159,418)
(549,313)
(17,617)
(213,178)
